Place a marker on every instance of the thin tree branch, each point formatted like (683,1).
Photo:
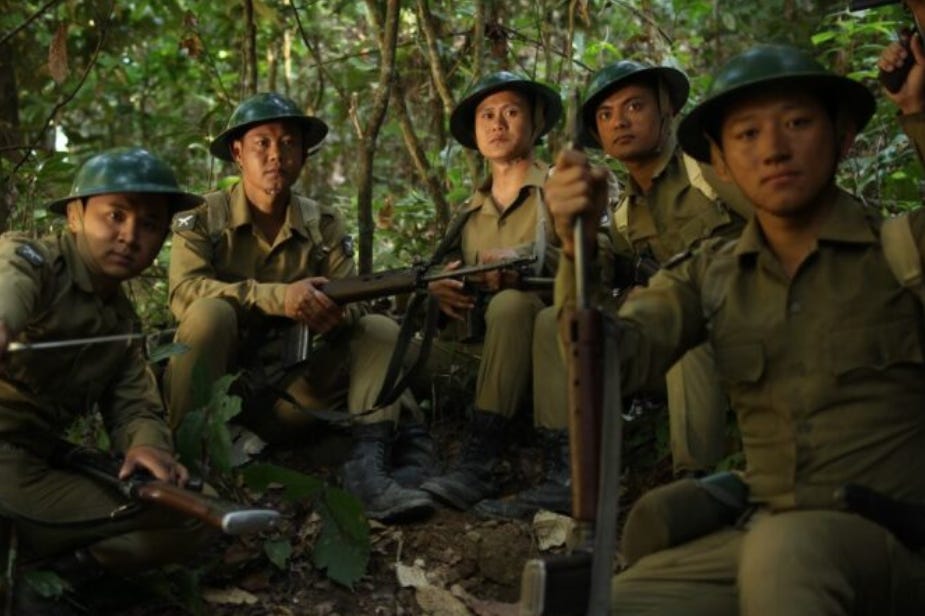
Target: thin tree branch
(54,112)
(28,21)
(387,39)
(419,157)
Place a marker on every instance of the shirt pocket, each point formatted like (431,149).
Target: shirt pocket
(710,217)
(866,349)
(740,363)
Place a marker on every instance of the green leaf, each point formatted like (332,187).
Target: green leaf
(822,37)
(297,486)
(343,547)
(48,584)
(189,438)
(278,551)
(166,351)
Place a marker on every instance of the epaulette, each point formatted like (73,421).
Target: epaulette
(31,255)
(183,221)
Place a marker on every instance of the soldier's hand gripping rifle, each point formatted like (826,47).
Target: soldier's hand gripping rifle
(893,80)
(579,583)
(230,518)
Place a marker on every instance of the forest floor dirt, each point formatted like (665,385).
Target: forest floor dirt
(453,563)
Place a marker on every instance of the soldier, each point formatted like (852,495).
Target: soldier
(817,343)
(670,207)
(69,286)
(910,98)
(248,264)
(503,116)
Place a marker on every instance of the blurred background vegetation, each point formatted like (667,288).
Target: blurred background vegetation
(79,76)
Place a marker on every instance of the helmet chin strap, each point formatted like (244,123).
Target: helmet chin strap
(666,114)
(539,119)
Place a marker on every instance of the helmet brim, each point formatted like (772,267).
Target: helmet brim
(462,120)
(847,94)
(314,131)
(178,200)
(678,90)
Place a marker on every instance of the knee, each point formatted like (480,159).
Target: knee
(208,319)
(511,307)
(376,329)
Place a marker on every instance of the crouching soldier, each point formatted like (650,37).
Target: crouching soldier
(249,264)
(64,287)
(818,343)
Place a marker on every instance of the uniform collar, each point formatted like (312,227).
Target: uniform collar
(79,271)
(240,213)
(536,176)
(847,223)
(669,152)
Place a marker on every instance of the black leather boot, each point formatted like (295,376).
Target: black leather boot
(366,476)
(414,458)
(554,493)
(471,479)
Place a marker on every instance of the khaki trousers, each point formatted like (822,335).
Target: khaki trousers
(793,563)
(345,372)
(56,511)
(697,410)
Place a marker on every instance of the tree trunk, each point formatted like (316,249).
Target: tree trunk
(250,50)
(388,34)
(419,158)
(11,141)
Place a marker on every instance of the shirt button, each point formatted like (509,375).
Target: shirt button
(795,307)
(501,222)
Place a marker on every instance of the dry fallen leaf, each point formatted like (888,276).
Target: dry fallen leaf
(57,55)
(410,576)
(435,600)
(552,529)
(228,596)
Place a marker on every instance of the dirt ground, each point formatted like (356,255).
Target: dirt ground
(453,563)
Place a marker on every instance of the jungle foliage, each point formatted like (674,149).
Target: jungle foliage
(79,76)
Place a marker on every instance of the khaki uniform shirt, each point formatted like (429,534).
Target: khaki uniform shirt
(674,215)
(517,227)
(46,294)
(236,262)
(825,371)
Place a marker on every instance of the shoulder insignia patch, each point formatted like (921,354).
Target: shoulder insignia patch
(346,244)
(184,221)
(30,254)
(676,259)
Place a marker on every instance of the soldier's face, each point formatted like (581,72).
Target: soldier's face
(503,126)
(780,148)
(629,123)
(119,234)
(270,156)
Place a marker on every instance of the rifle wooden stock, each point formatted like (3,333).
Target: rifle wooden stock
(585,399)
(230,518)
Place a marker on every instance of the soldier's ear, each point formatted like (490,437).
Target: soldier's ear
(718,161)
(75,215)
(236,151)
(845,133)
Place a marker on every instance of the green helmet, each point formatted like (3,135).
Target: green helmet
(126,170)
(462,120)
(260,109)
(609,78)
(766,65)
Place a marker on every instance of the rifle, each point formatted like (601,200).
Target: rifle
(905,520)
(893,80)
(406,280)
(298,338)
(580,582)
(230,518)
